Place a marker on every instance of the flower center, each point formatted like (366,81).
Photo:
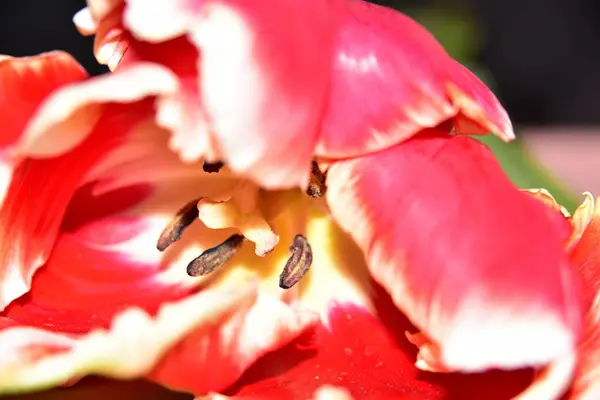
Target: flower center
(242,210)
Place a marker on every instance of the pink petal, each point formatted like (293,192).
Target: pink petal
(472,261)
(480,112)
(351,81)
(369,358)
(390,79)
(263,82)
(39,195)
(274,85)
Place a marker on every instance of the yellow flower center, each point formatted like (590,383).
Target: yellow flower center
(244,210)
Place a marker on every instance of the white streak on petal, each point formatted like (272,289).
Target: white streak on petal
(68,116)
(157,21)
(553,381)
(135,343)
(329,392)
(14,283)
(84,22)
(230,56)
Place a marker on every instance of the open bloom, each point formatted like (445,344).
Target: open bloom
(120,187)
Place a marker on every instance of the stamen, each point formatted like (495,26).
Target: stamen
(298,264)
(212,167)
(215,257)
(316,185)
(172,233)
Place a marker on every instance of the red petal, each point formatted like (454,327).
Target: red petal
(585,254)
(371,359)
(390,79)
(471,260)
(38,197)
(586,385)
(94,388)
(25,82)
(586,260)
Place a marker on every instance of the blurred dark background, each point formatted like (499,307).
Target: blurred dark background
(541,55)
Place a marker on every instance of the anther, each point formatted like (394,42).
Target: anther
(172,233)
(215,257)
(316,185)
(212,167)
(298,264)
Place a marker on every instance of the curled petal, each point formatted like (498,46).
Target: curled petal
(479,111)
(390,79)
(548,384)
(451,239)
(69,115)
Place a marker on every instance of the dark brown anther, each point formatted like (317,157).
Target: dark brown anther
(215,257)
(173,231)
(212,167)
(316,185)
(298,264)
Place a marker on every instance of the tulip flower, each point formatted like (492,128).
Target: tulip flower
(250,205)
